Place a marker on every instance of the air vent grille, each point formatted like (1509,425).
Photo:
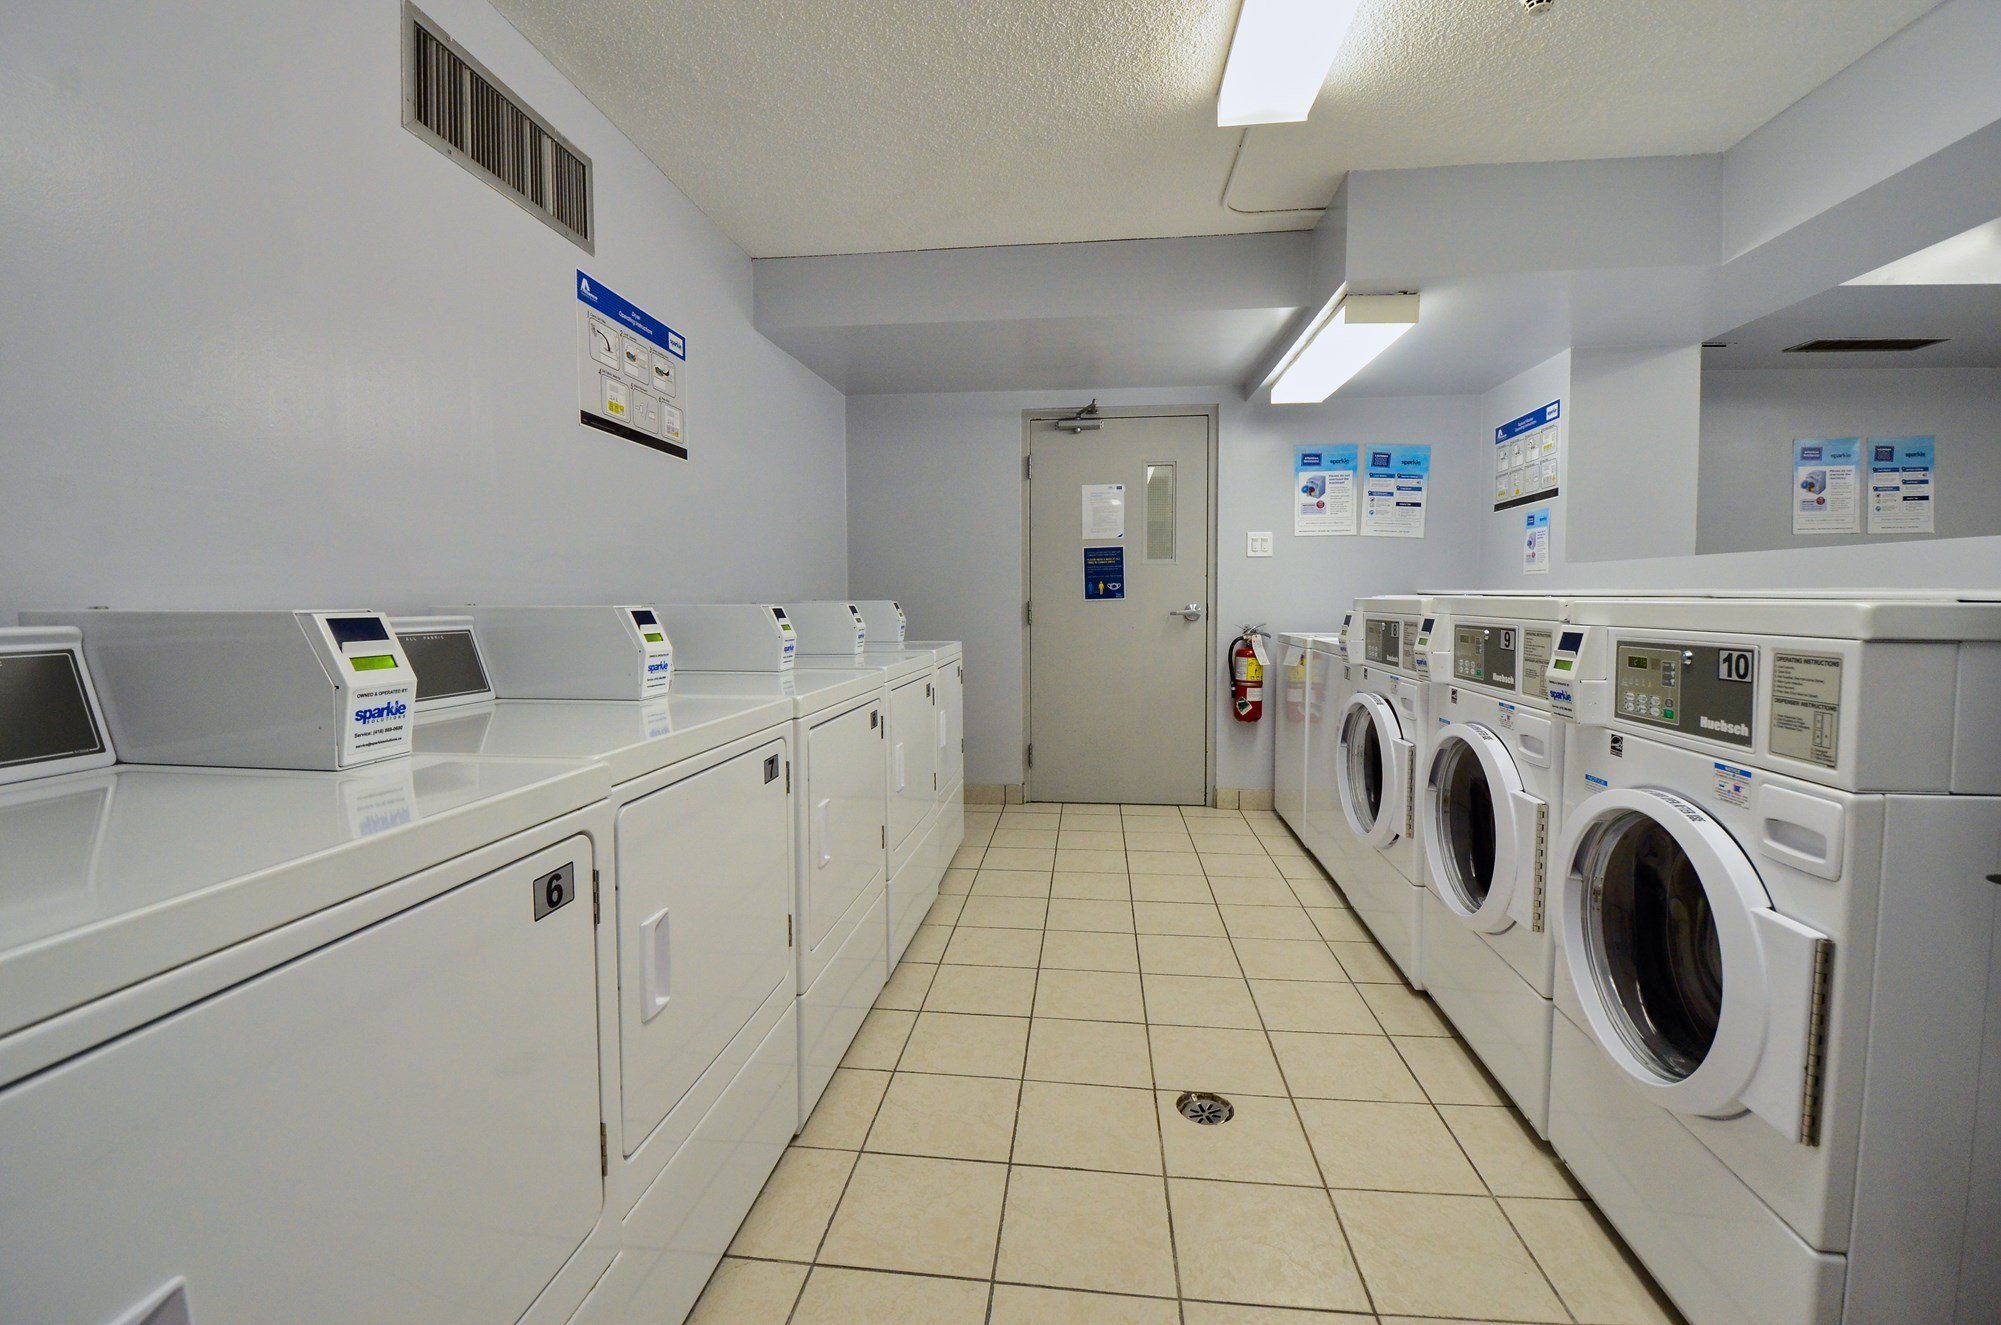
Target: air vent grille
(453,103)
(1865,345)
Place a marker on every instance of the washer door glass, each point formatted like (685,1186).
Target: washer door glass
(1364,755)
(1466,836)
(1651,934)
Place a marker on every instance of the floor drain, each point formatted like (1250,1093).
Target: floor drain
(1199,1106)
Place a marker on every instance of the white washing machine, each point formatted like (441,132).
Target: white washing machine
(1489,796)
(696,995)
(1288,780)
(1776,1063)
(1383,734)
(310,1046)
(1324,826)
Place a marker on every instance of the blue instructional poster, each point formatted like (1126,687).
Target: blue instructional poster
(1527,457)
(1901,470)
(1827,479)
(1104,573)
(632,371)
(1395,488)
(1323,490)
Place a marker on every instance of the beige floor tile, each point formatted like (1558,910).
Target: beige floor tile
(948,1117)
(1018,858)
(798,1199)
(1317,893)
(927,1216)
(1262,1143)
(1366,964)
(1387,1147)
(1190,888)
(1089,995)
(987,912)
(1506,1151)
(954,1044)
(1200,1000)
(1200,919)
(1314,1005)
(1141,839)
(1077,950)
(1233,1313)
(1447,1071)
(1095,916)
(1402,1011)
(1091,861)
(749,1293)
(1444,1256)
(1269,922)
(1231,890)
(957,881)
(1278,1246)
(1094,1053)
(1105,1231)
(945,911)
(927,945)
(879,1043)
(836,1296)
(1338,925)
(1024,837)
(1286,959)
(1088,810)
(1224,1061)
(994,947)
(908,984)
(1091,886)
(1172,812)
(1163,862)
(1091,839)
(840,1121)
(967,858)
(1591,1271)
(1011,883)
(1218,866)
(1345,1067)
(1218,821)
(1066,1126)
(1300,869)
(1017,1304)
(1178,954)
(1227,844)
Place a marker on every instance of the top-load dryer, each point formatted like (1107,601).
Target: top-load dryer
(1775,1063)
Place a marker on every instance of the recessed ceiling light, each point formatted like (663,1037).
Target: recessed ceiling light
(1279,58)
(1334,349)
(1973,258)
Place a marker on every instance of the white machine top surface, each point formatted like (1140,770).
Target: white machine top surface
(1888,618)
(1393,604)
(900,664)
(630,737)
(944,648)
(1506,607)
(1327,643)
(808,688)
(116,875)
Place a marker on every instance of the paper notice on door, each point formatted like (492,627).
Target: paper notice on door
(1826,476)
(1535,546)
(1901,470)
(1323,490)
(1104,510)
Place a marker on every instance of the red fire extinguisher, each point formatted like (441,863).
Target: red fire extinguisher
(1248,662)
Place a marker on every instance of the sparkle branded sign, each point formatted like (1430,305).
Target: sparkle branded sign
(395,708)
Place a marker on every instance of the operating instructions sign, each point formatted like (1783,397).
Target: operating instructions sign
(632,371)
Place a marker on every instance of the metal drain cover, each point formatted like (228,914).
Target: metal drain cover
(1199,1106)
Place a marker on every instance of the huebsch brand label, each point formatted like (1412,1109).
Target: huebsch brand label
(1806,707)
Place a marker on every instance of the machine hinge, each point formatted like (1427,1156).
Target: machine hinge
(788,931)
(595,913)
(604,1152)
(1541,865)
(788,775)
(930,692)
(1816,1044)
(1410,794)
(962,671)
(1026,462)
(1027,614)
(883,832)
(1028,754)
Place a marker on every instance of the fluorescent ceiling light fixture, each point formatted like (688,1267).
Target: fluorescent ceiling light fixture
(1973,258)
(1279,58)
(1338,346)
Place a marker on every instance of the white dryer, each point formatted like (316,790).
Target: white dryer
(1289,736)
(1323,827)
(1488,799)
(1775,1064)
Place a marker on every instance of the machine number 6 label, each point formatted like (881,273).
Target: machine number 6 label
(555,891)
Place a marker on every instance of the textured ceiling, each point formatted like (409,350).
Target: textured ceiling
(848,126)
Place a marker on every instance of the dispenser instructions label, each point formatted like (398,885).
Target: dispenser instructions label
(1395,490)
(1104,573)
(1323,490)
(632,371)
(1527,457)
(1535,545)
(1806,707)
(1826,476)
(1901,470)
(1104,510)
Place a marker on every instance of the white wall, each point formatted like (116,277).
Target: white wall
(265,347)
(1751,417)
(935,513)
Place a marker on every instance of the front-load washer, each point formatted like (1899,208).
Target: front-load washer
(1775,1061)
(1323,827)
(276,1044)
(1289,736)
(1383,734)
(1489,795)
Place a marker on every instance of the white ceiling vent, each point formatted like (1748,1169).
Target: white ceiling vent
(454,104)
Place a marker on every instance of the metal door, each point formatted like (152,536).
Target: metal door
(1120,641)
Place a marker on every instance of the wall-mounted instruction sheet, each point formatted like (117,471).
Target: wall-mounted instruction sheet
(1104,573)
(1104,510)
(632,371)
(1527,456)
(1901,470)
(1826,479)
(1395,488)
(1323,491)
(1535,544)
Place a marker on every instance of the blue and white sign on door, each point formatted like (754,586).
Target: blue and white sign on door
(1104,573)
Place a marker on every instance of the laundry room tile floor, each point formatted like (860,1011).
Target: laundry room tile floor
(1004,1144)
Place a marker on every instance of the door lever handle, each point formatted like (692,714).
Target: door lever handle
(1192,612)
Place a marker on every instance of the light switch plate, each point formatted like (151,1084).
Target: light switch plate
(1260,544)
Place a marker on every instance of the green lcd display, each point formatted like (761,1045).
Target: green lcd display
(1637,663)
(374,662)
(655,637)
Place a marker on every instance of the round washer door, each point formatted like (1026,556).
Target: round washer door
(1372,769)
(1479,825)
